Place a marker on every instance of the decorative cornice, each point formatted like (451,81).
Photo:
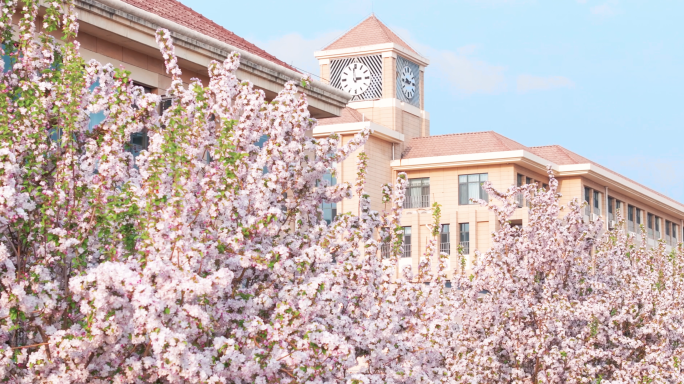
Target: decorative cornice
(534,162)
(372,49)
(377,130)
(196,41)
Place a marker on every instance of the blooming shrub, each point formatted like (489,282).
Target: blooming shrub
(542,307)
(166,267)
(206,258)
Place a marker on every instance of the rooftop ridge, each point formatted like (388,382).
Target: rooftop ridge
(360,34)
(180,13)
(452,134)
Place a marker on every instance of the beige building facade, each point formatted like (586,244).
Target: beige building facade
(122,32)
(371,78)
(450,169)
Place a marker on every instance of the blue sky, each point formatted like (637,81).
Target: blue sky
(603,78)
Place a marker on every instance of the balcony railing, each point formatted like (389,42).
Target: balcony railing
(630,226)
(587,210)
(385,250)
(445,248)
(466,247)
(422,201)
(407,250)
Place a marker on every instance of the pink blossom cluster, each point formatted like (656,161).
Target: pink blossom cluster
(206,258)
(564,301)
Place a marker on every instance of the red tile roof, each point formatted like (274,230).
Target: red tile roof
(178,13)
(459,144)
(347,115)
(564,156)
(369,32)
(489,141)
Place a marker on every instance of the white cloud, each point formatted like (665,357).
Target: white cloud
(298,50)
(664,174)
(527,83)
(606,9)
(468,74)
(460,68)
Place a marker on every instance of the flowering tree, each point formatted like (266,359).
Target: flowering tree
(541,307)
(205,258)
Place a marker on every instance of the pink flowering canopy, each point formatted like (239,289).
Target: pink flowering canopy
(204,258)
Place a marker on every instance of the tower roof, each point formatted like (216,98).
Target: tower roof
(369,32)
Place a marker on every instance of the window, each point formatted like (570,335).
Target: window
(649,225)
(587,199)
(639,217)
(97,117)
(262,140)
(668,232)
(166,103)
(464,237)
(385,245)
(418,193)
(139,140)
(444,243)
(329,209)
(407,242)
(630,218)
(6,60)
(519,197)
(470,187)
(657,227)
(597,203)
(673,239)
(611,210)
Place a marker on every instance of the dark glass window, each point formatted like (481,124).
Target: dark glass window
(329,209)
(649,224)
(597,202)
(166,103)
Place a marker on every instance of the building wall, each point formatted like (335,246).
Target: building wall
(389,77)
(444,190)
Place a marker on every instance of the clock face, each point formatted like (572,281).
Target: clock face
(355,78)
(408,82)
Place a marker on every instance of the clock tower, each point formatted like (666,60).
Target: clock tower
(385,78)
